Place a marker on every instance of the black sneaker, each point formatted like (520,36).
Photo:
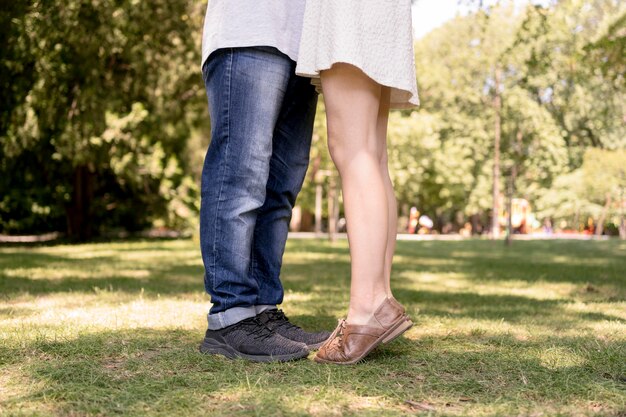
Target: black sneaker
(251,339)
(279,323)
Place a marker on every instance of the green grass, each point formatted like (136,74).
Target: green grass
(538,329)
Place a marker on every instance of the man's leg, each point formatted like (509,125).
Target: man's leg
(246,89)
(288,166)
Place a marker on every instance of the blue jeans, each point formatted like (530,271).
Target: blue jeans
(261,125)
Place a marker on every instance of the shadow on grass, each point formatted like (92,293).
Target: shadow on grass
(514,309)
(139,370)
(596,269)
(580,263)
(326,281)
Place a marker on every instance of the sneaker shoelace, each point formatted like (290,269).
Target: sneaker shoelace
(254,327)
(281,319)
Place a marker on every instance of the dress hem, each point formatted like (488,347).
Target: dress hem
(412,101)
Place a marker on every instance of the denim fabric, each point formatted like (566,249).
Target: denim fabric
(261,126)
(235,315)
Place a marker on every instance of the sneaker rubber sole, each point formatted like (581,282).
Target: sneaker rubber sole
(212,347)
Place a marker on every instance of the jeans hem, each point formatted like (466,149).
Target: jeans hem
(229,317)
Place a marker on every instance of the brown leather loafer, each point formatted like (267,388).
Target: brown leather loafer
(350,343)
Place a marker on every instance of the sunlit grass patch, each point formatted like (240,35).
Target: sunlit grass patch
(54,272)
(555,357)
(113,329)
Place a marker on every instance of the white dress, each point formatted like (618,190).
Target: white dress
(373,35)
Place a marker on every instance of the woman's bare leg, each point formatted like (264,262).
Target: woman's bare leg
(353,104)
(392,205)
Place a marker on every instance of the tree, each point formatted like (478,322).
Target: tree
(596,190)
(554,106)
(604,179)
(106,96)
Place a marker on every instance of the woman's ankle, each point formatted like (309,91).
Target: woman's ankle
(362,313)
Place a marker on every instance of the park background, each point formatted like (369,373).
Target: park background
(104,122)
(103,131)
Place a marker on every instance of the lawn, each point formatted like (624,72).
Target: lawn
(538,329)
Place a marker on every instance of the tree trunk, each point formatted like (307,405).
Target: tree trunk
(602,219)
(511,191)
(497,104)
(319,191)
(622,221)
(78,211)
(333,207)
(509,234)
(475,223)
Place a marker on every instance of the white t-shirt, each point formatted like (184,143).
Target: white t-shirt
(242,23)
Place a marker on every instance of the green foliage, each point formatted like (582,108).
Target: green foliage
(610,49)
(597,189)
(586,103)
(321,167)
(604,174)
(103,121)
(106,97)
(556,103)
